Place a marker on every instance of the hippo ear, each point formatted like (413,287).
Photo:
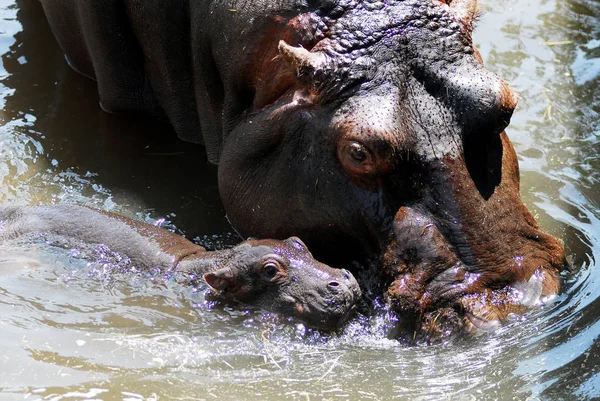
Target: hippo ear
(307,64)
(465,10)
(297,243)
(221,281)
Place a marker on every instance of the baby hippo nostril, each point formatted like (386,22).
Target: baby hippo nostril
(346,274)
(333,284)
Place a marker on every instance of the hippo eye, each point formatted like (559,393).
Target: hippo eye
(356,158)
(272,272)
(357,152)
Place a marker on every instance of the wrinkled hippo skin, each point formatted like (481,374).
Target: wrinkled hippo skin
(370,129)
(280,276)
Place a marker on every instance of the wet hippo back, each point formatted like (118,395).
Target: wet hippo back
(281,276)
(147,246)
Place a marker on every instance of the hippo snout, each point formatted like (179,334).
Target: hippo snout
(345,287)
(346,282)
(340,300)
(332,302)
(443,273)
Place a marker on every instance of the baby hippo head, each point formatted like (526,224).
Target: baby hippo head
(283,277)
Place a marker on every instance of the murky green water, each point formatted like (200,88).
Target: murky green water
(71,331)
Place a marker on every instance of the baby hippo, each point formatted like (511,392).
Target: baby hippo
(279,276)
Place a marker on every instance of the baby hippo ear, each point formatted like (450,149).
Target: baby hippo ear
(221,281)
(297,243)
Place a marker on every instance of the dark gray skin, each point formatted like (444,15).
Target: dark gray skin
(279,276)
(371,129)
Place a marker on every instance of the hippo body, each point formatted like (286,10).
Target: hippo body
(370,129)
(280,276)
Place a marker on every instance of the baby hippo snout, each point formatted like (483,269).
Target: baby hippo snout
(346,279)
(344,285)
(333,303)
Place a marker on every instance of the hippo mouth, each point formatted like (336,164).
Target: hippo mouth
(450,288)
(324,319)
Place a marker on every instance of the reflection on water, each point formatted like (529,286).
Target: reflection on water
(69,331)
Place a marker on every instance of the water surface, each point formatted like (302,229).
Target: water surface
(70,330)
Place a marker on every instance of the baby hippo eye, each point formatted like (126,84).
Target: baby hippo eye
(272,272)
(269,271)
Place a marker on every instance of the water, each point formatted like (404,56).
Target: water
(72,331)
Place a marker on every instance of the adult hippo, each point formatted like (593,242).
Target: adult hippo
(370,129)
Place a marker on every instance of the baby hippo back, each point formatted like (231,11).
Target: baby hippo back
(147,246)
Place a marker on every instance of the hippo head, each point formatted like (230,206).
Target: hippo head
(283,276)
(384,140)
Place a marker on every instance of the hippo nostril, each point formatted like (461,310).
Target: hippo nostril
(333,284)
(346,274)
